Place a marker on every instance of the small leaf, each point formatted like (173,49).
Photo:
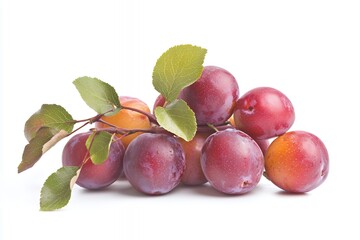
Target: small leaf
(178,118)
(56,191)
(177,68)
(50,115)
(33,151)
(98,95)
(32,125)
(98,145)
(45,138)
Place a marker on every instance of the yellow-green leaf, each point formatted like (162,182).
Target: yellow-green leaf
(98,144)
(51,116)
(45,138)
(177,118)
(177,68)
(56,191)
(98,95)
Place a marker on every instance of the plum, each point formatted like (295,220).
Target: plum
(264,113)
(213,96)
(154,163)
(93,176)
(232,161)
(297,162)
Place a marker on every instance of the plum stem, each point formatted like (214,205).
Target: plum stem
(114,129)
(148,115)
(126,132)
(107,123)
(212,127)
(93,119)
(215,128)
(154,129)
(77,129)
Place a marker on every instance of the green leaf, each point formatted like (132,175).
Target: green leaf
(98,144)
(56,191)
(177,68)
(50,115)
(45,138)
(178,118)
(98,95)
(32,125)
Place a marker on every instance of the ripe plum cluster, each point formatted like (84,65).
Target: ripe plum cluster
(231,149)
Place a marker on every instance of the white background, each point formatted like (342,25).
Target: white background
(308,49)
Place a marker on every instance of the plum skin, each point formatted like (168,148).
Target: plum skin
(297,162)
(154,163)
(263,144)
(159,102)
(232,161)
(213,96)
(264,113)
(93,176)
(193,174)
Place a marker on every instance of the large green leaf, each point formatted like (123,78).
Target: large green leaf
(178,67)
(98,144)
(50,115)
(45,138)
(98,95)
(56,191)
(177,118)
